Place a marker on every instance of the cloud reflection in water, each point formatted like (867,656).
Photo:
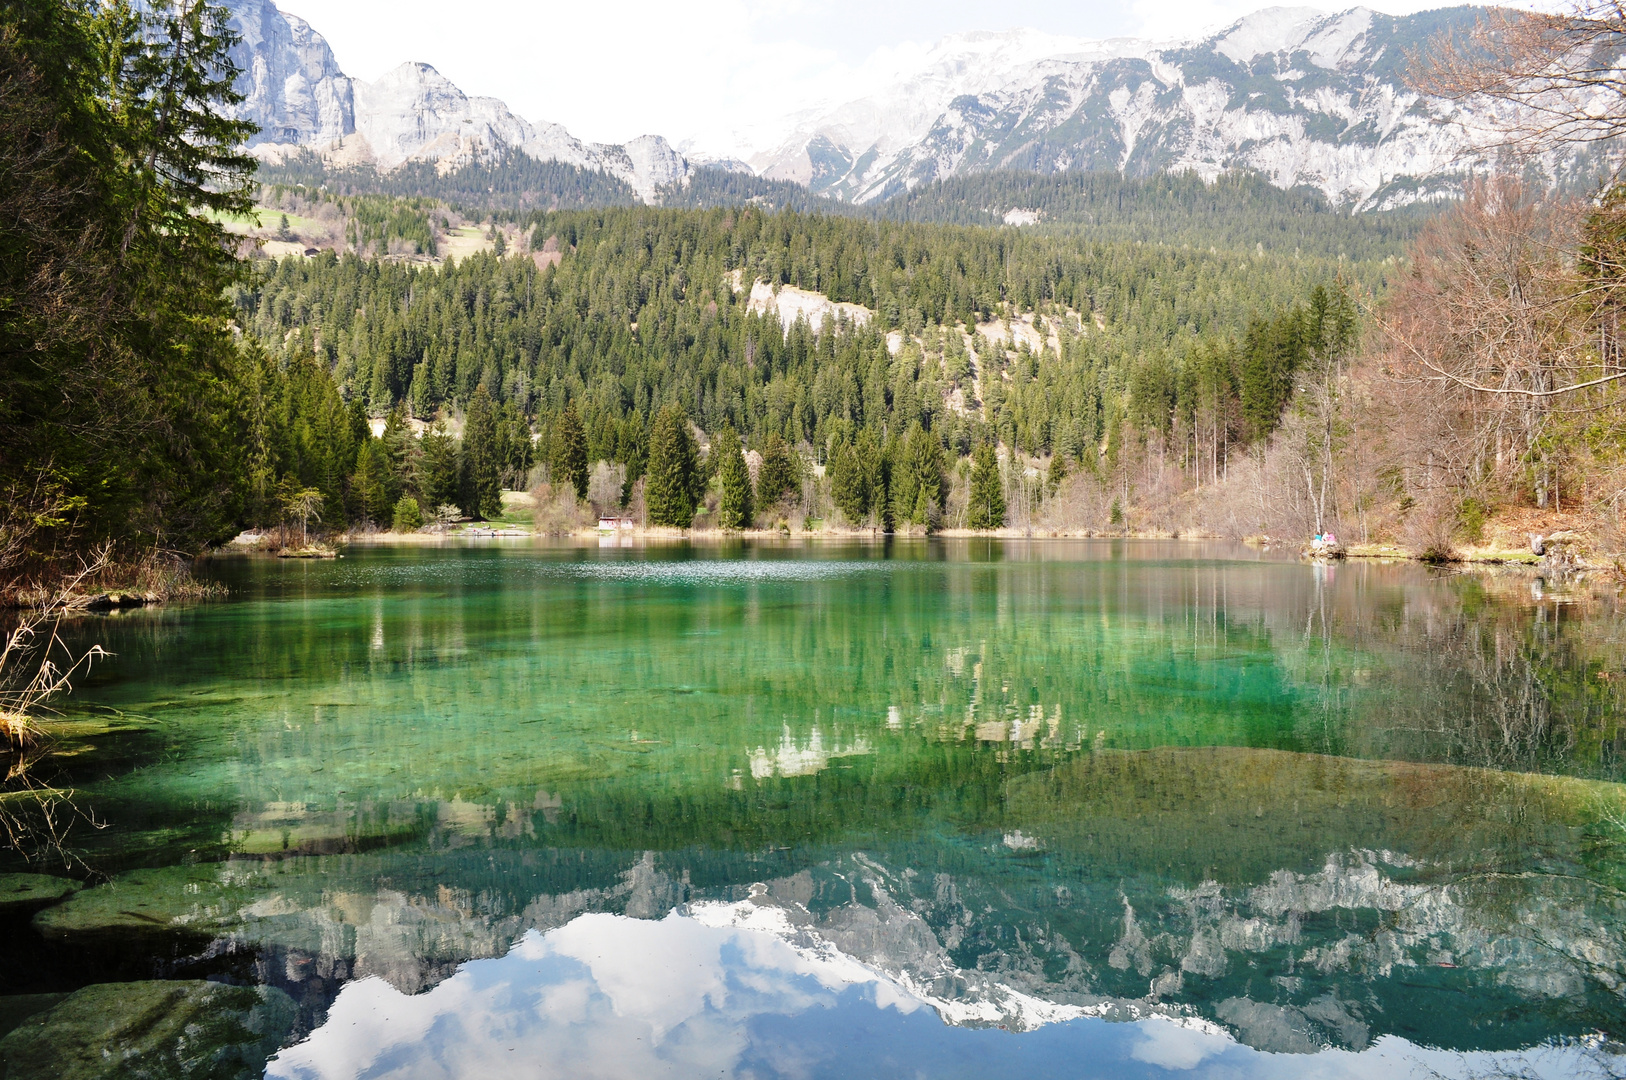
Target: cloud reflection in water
(612,997)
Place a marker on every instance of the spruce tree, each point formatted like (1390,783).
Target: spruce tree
(570,451)
(777,474)
(482,491)
(673,471)
(986,509)
(735,508)
(408,515)
(1058,472)
(917,494)
(440,466)
(373,482)
(849,483)
(394,446)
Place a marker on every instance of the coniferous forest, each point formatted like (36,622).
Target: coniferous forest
(649,308)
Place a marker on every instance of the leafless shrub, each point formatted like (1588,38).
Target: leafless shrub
(604,487)
(1431,528)
(36,666)
(557,512)
(1080,504)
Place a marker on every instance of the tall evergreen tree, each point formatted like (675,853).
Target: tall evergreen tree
(372,482)
(397,447)
(674,469)
(849,483)
(440,467)
(1272,354)
(986,509)
(777,474)
(570,451)
(1057,473)
(917,479)
(734,509)
(117,361)
(482,485)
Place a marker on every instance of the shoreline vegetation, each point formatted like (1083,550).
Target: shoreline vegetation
(1567,547)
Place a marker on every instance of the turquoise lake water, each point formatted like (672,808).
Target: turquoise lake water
(945,808)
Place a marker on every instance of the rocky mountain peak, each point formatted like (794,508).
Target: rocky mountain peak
(1302,96)
(298,95)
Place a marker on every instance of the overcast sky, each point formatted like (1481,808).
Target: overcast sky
(610,70)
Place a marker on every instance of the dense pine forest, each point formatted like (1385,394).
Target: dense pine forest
(648,308)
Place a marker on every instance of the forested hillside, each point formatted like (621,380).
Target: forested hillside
(649,308)
(1236,211)
(512,182)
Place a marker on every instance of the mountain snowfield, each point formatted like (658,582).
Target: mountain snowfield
(1299,95)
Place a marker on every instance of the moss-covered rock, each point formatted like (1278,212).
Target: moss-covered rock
(201,900)
(15,1008)
(18,892)
(158,1030)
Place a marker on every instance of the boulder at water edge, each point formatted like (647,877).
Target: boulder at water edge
(158,1030)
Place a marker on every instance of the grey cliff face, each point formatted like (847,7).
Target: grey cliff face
(300,98)
(294,88)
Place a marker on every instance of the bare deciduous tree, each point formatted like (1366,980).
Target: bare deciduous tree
(1547,78)
(1490,324)
(604,487)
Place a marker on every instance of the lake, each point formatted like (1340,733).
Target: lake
(925,808)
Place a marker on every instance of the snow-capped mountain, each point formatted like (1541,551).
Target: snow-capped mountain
(1299,95)
(297,94)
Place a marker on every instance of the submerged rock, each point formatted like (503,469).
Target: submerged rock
(158,1030)
(19,892)
(15,1008)
(201,899)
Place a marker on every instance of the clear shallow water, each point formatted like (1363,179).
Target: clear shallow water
(941,809)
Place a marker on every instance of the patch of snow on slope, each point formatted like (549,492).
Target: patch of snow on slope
(1330,44)
(1272,30)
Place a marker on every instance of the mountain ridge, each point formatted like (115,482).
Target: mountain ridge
(1297,95)
(296,92)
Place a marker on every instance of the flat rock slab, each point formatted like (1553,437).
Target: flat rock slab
(199,899)
(158,1030)
(21,891)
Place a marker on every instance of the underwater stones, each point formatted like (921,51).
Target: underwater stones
(157,1030)
(201,900)
(18,892)
(1238,815)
